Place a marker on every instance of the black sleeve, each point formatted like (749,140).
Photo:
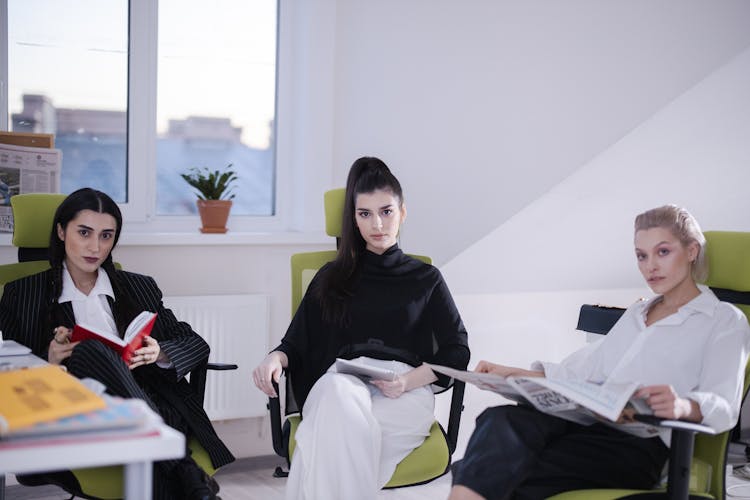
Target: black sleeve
(8,320)
(295,339)
(23,315)
(306,345)
(306,321)
(449,331)
(184,347)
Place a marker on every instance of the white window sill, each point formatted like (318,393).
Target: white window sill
(196,238)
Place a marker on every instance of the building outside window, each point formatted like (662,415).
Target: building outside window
(215,93)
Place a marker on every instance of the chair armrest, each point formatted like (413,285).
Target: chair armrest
(454,419)
(598,319)
(274,406)
(680,451)
(198,376)
(676,424)
(221,366)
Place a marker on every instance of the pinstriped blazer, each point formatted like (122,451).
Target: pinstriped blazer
(24,317)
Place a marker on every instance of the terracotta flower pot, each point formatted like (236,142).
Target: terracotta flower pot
(214,215)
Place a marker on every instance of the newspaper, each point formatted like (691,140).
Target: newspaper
(26,170)
(575,400)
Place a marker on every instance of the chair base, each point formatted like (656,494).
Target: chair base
(279,472)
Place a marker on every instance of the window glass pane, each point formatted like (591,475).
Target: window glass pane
(216,99)
(68,73)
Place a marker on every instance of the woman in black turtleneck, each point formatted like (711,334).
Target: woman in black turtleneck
(378,306)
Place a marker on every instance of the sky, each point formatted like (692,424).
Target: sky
(215,58)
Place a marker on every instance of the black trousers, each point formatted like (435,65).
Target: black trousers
(517,452)
(93,359)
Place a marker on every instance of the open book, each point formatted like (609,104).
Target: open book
(363,370)
(137,329)
(575,400)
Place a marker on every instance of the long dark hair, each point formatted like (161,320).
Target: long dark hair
(97,201)
(366,175)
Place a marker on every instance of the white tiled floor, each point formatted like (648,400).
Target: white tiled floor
(250,479)
(738,484)
(737,487)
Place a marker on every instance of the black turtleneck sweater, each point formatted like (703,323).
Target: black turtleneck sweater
(400,309)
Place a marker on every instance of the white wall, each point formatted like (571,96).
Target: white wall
(694,152)
(482,106)
(306,94)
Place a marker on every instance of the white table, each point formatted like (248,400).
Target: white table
(136,451)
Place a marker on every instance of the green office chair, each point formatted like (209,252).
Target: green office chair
(698,456)
(33,215)
(432,458)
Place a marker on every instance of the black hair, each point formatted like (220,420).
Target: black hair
(366,175)
(75,202)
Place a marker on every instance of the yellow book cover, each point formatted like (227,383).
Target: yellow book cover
(39,394)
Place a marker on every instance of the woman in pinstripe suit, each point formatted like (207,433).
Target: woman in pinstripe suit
(84,286)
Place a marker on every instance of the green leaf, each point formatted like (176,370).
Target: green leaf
(211,185)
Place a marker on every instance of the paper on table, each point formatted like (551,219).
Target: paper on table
(13,348)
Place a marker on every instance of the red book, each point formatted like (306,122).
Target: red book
(137,329)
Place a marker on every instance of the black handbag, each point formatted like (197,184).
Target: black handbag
(598,319)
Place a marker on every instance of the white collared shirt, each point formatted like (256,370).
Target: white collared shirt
(701,350)
(92,309)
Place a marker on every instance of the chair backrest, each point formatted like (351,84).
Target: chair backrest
(333,200)
(306,265)
(729,277)
(729,266)
(33,214)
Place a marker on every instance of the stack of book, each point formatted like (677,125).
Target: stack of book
(45,402)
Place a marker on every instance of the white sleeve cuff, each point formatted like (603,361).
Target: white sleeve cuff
(716,411)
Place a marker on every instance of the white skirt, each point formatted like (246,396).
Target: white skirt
(352,436)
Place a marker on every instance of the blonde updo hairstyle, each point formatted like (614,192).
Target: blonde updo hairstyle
(684,227)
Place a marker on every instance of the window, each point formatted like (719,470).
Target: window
(216,89)
(69,77)
(138,94)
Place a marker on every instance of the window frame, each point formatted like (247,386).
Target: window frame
(139,211)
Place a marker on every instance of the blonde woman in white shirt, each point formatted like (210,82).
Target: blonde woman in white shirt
(686,348)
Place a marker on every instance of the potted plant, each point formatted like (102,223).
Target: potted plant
(214,190)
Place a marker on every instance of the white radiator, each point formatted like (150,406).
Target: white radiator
(236,328)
